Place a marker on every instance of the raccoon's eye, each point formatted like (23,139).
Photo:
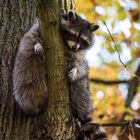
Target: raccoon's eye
(83,42)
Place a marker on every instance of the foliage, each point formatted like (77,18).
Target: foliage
(117,14)
(123,20)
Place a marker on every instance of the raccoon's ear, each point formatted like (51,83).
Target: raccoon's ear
(71,15)
(94,27)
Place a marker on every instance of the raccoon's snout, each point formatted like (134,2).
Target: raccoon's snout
(75,47)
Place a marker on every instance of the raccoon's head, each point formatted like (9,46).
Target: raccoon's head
(77,32)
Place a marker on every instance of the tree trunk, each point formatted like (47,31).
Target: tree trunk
(58,111)
(15,19)
(56,123)
(66,5)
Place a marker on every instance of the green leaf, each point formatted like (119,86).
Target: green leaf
(119,48)
(121,14)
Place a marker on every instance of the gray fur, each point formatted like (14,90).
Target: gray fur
(29,87)
(78,37)
(79,85)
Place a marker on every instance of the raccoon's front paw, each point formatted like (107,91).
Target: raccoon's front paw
(73,74)
(38,49)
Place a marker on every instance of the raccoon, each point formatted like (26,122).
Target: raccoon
(29,87)
(78,36)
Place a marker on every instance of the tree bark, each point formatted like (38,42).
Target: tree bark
(58,110)
(15,19)
(66,5)
(56,123)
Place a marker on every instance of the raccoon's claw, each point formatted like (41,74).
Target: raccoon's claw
(72,74)
(38,48)
(78,124)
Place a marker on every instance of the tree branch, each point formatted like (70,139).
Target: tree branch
(115,45)
(91,126)
(58,110)
(132,88)
(109,82)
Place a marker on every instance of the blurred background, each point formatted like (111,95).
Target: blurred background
(115,71)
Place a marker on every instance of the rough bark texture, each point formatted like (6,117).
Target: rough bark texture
(66,5)
(60,125)
(16,16)
(15,19)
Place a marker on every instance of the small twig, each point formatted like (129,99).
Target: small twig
(130,72)
(132,129)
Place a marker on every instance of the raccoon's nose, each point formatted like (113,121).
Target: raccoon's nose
(76,47)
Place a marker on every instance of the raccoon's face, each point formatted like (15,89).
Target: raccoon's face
(77,32)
